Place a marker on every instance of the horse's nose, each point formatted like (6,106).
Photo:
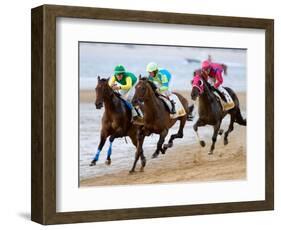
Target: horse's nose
(98,105)
(193,96)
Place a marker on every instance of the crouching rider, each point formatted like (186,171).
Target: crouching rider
(124,83)
(161,78)
(213,72)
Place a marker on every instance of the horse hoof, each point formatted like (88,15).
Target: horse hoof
(93,163)
(169,145)
(220,132)
(225,142)
(143,163)
(131,172)
(154,155)
(108,162)
(142,169)
(202,143)
(210,153)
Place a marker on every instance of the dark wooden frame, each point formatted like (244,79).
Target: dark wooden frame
(43,160)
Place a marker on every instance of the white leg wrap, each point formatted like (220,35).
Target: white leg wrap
(197,136)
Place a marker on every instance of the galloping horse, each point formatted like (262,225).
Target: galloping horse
(156,118)
(211,111)
(116,119)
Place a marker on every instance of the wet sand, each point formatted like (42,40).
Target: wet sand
(183,163)
(186,164)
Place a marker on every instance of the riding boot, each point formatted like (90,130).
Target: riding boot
(173,110)
(137,116)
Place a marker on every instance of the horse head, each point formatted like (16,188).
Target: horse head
(102,90)
(197,83)
(140,91)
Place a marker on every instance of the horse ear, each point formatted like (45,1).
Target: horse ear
(98,78)
(140,77)
(195,72)
(107,79)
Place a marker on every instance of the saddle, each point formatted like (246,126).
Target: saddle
(179,109)
(221,99)
(167,103)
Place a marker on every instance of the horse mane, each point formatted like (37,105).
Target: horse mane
(197,72)
(152,85)
(208,87)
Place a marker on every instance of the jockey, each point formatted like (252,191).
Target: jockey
(213,73)
(123,82)
(161,78)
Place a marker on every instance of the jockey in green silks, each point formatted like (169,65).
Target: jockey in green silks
(161,78)
(124,83)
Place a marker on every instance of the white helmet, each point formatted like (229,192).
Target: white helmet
(151,67)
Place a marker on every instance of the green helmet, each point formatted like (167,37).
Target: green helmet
(119,69)
(151,67)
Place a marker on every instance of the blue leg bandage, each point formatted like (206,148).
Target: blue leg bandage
(96,158)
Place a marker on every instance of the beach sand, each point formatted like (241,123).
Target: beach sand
(188,163)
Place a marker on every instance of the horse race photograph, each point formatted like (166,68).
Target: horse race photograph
(151,114)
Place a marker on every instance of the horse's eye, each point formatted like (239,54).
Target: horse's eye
(200,83)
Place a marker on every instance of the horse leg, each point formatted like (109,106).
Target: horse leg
(214,137)
(109,151)
(133,137)
(174,136)
(143,161)
(160,142)
(195,128)
(139,151)
(230,128)
(103,138)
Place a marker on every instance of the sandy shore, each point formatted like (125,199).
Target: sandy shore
(186,163)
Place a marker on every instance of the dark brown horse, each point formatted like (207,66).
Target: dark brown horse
(211,111)
(156,118)
(116,119)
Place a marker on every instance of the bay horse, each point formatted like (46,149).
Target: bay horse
(211,111)
(156,118)
(116,119)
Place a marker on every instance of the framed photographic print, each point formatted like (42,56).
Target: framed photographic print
(139,114)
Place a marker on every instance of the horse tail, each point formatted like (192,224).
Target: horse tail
(189,114)
(239,119)
(224,68)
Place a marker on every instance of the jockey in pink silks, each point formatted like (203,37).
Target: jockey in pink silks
(213,72)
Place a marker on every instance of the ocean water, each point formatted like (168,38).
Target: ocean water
(100,59)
